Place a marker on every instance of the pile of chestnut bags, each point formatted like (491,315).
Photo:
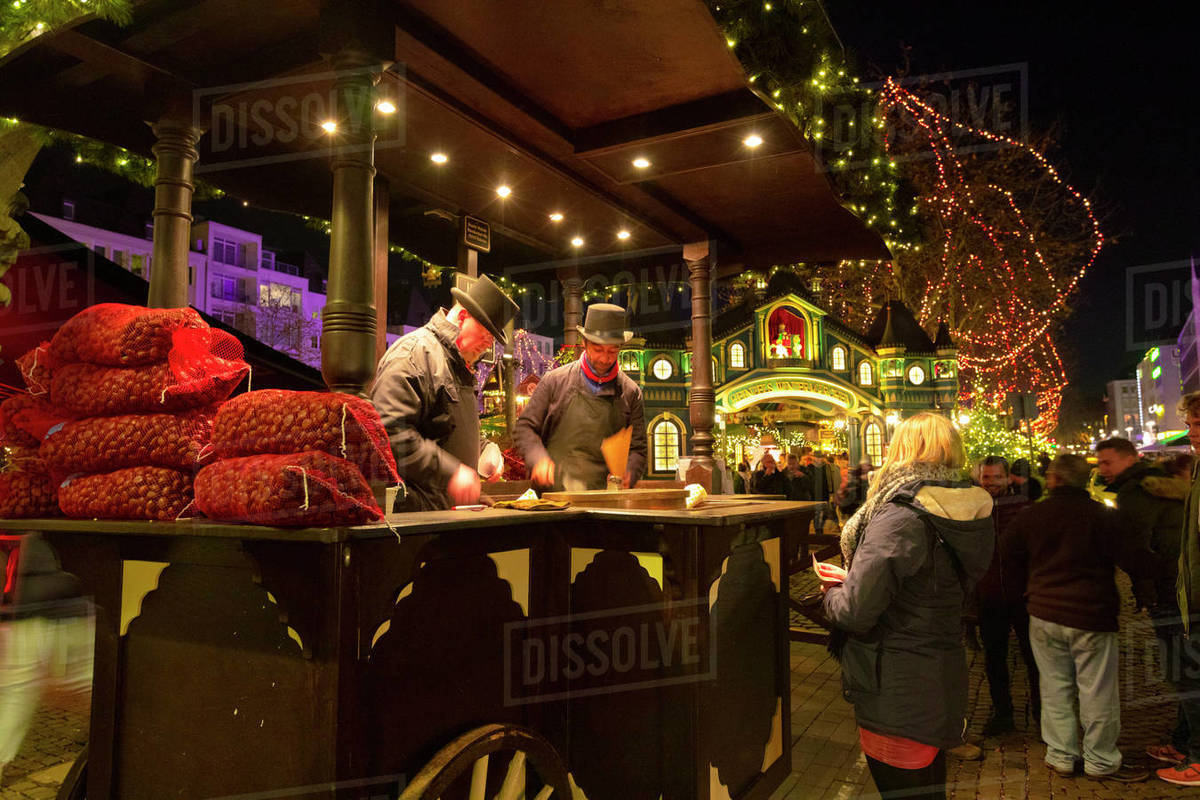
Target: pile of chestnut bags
(127,416)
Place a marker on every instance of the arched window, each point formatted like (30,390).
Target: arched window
(737,355)
(662,369)
(866,376)
(629,361)
(666,444)
(714,372)
(873,438)
(837,358)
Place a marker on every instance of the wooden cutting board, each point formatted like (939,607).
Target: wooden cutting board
(626,498)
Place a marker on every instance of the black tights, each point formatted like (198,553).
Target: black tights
(926,783)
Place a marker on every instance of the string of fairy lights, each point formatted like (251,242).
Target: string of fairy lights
(793,57)
(1011,347)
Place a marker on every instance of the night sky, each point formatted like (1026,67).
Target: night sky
(1119,80)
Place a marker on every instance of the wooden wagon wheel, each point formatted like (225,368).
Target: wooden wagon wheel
(473,751)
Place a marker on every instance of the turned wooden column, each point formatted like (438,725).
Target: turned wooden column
(175,157)
(348,329)
(572,309)
(701,395)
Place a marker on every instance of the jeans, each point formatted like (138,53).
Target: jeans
(927,783)
(995,619)
(1180,660)
(32,652)
(819,514)
(1078,664)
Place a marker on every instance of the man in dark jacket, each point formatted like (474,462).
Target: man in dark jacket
(578,405)
(1069,545)
(1153,518)
(1001,607)
(798,482)
(823,479)
(425,393)
(767,479)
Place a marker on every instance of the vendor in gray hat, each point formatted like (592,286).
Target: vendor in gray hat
(425,393)
(578,405)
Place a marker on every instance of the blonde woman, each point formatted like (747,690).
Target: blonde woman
(913,551)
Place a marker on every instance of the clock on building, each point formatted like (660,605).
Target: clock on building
(916,374)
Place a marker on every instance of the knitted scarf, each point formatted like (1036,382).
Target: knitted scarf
(884,488)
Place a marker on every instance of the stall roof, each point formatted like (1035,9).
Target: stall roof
(555,100)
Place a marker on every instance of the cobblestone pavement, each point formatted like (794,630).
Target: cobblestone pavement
(827,761)
(55,738)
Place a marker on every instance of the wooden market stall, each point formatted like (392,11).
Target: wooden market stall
(648,649)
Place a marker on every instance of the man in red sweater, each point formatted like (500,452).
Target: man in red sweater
(1068,546)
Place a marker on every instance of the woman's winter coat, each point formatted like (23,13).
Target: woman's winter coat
(903,665)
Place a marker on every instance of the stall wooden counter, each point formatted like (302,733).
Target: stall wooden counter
(648,647)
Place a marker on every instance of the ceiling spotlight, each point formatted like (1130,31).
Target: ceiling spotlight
(503,191)
(622,235)
(556,216)
(641,163)
(385,107)
(329,126)
(439,158)
(577,241)
(245,203)
(753,140)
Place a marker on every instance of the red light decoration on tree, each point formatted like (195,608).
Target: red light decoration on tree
(1010,346)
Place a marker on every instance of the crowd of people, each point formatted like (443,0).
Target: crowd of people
(811,476)
(932,557)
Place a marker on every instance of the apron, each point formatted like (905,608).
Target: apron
(575,444)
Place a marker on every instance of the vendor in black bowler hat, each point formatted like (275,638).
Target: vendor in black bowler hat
(578,405)
(425,393)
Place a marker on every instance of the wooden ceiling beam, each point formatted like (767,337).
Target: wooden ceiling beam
(667,123)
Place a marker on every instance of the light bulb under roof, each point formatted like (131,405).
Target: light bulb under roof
(556,216)
(329,126)
(577,241)
(439,158)
(753,140)
(503,191)
(641,162)
(622,235)
(385,107)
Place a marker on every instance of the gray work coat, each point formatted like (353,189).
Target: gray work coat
(425,394)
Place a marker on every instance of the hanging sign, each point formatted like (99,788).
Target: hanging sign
(477,234)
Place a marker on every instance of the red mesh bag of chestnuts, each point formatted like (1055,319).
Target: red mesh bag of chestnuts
(154,493)
(119,335)
(34,367)
(297,489)
(276,421)
(26,488)
(24,420)
(204,367)
(103,444)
